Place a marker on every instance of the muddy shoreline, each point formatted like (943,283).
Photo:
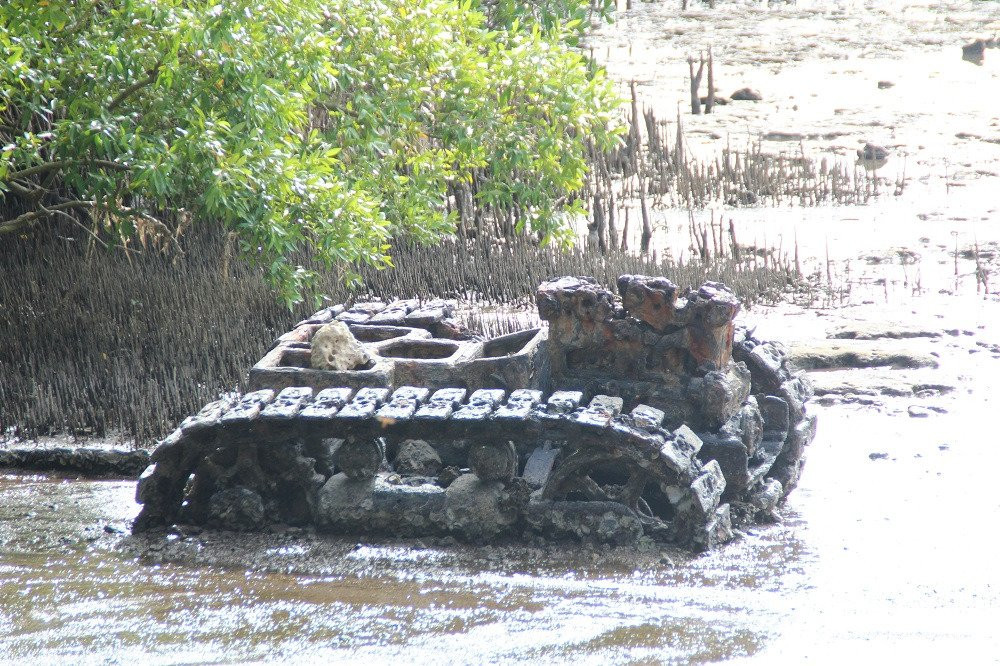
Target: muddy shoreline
(884,541)
(886,550)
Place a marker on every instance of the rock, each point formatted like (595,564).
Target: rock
(975,52)
(238,509)
(417,457)
(829,354)
(334,348)
(475,509)
(746,95)
(873,156)
(918,412)
(885,85)
(878,455)
(720,100)
(879,330)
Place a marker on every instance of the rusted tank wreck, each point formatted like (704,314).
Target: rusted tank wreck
(643,414)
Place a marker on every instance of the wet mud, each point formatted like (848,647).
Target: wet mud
(887,546)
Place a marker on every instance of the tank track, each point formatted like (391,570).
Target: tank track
(278,444)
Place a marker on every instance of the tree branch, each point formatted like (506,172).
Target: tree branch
(26,219)
(70,218)
(55,165)
(141,83)
(44,167)
(26,192)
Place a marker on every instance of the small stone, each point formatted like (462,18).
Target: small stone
(878,455)
(918,412)
(885,85)
(746,95)
(334,348)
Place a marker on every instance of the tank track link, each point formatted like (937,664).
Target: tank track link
(272,442)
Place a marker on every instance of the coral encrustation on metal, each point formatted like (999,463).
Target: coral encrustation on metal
(641,414)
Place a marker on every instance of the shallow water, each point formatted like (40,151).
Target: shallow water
(818,65)
(885,557)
